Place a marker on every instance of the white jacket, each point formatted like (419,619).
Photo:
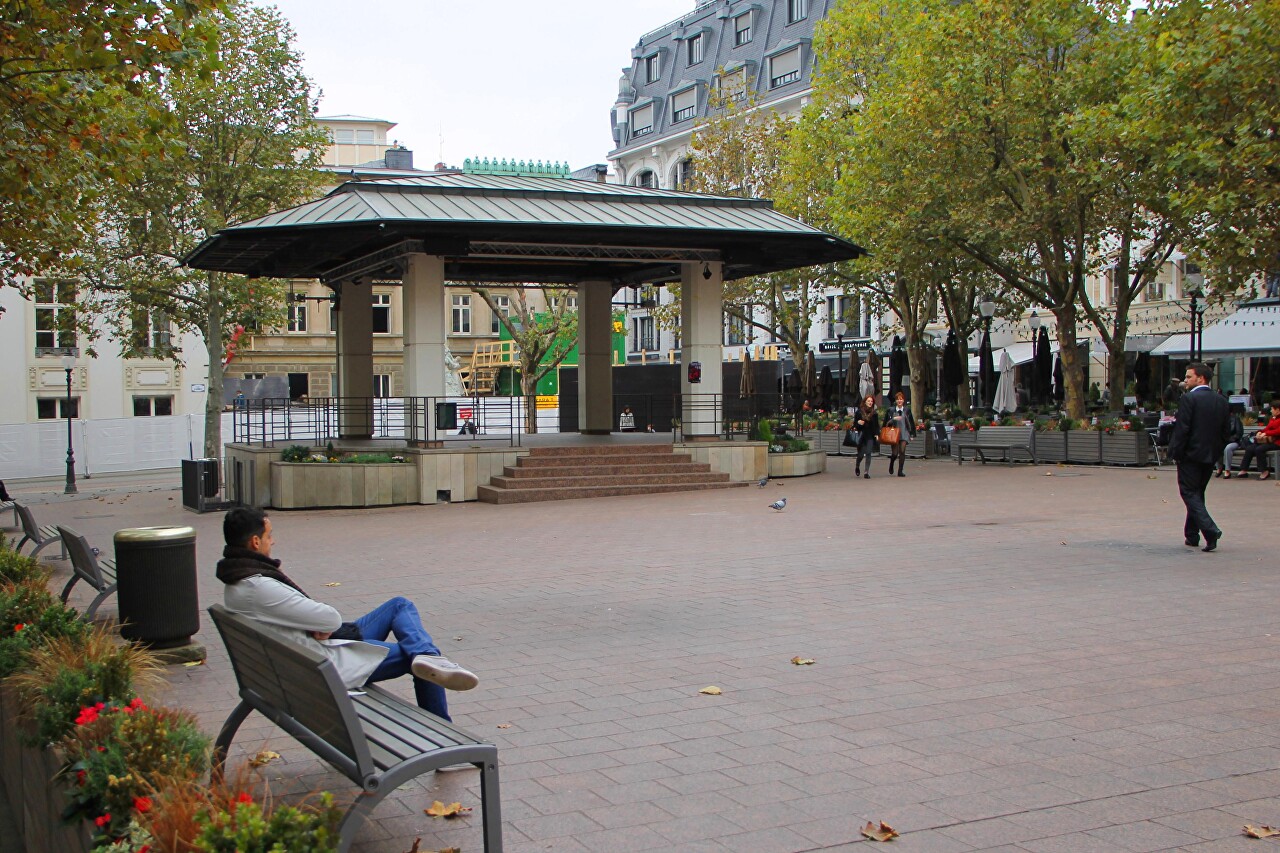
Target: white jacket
(292,616)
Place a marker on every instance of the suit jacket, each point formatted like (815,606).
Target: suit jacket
(1202,427)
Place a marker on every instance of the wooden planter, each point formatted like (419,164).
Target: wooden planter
(1084,447)
(1051,446)
(829,442)
(1126,448)
(797,464)
(303,485)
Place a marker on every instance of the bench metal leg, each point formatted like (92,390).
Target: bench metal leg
(355,817)
(102,596)
(17,549)
(226,735)
(66,590)
(492,805)
(47,542)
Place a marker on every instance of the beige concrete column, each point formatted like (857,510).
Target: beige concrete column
(355,360)
(595,358)
(701,337)
(424,341)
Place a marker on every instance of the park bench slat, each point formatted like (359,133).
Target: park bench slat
(99,574)
(38,535)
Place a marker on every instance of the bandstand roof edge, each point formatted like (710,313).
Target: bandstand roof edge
(506,229)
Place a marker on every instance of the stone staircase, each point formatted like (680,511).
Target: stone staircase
(563,473)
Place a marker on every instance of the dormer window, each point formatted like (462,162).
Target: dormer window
(684,105)
(742,29)
(694,44)
(642,121)
(784,68)
(797,10)
(652,68)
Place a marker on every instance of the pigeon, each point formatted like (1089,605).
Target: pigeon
(780,504)
(764,481)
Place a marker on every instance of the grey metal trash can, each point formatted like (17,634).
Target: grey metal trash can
(156,592)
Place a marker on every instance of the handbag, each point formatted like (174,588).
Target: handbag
(889,435)
(849,440)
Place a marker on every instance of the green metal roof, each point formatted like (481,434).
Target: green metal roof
(452,214)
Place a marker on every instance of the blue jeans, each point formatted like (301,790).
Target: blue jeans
(398,616)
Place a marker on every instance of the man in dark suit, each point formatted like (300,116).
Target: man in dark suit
(1199,434)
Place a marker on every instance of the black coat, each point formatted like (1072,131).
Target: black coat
(869,429)
(1202,428)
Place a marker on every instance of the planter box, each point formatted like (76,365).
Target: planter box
(1084,447)
(1051,446)
(829,442)
(36,801)
(303,485)
(797,464)
(1126,448)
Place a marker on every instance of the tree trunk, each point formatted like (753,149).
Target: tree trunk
(1072,368)
(529,390)
(214,347)
(918,367)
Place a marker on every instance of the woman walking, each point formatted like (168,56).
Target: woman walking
(899,416)
(866,426)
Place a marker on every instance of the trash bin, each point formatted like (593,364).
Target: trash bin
(446,416)
(156,585)
(199,482)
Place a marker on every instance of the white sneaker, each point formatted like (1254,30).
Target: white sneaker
(442,671)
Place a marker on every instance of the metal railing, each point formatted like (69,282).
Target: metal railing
(408,420)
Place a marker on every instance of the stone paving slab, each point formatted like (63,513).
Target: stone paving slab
(1019,658)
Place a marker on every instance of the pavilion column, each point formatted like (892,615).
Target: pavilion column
(425,340)
(701,336)
(355,360)
(595,358)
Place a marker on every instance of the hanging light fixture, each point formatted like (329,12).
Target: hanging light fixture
(706,270)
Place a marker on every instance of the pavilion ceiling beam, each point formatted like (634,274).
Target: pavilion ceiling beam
(374,262)
(571,252)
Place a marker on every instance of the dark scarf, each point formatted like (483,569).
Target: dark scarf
(240,563)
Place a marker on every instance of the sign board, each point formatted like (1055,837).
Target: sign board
(860,344)
(548,401)
(198,387)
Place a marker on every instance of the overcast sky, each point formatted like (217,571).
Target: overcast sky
(485,78)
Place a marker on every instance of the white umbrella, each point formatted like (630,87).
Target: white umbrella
(866,382)
(1006,397)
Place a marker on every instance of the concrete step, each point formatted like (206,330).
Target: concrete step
(619,468)
(572,481)
(566,460)
(490,494)
(599,450)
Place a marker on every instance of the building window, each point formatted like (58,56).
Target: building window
(151,332)
(684,105)
(570,303)
(382,313)
(742,29)
(642,336)
(382,385)
(784,68)
(503,306)
(652,68)
(55,314)
(684,173)
(645,179)
(345,137)
(695,50)
(461,315)
(642,121)
(298,317)
(735,330)
(797,10)
(364,137)
(147,407)
(733,86)
(56,408)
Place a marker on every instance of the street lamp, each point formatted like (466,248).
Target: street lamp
(987,308)
(69,364)
(1197,326)
(840,329)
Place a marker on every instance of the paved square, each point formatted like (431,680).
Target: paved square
(1007,658)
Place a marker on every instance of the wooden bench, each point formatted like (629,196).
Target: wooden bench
(99,573)
(989,441)
(374,738)
(34,533)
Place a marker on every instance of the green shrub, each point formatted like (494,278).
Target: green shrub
(245,829)
(763,431)
(29,617)
(118,755)
(1067,424)
(797,445)
(295,453)
(16,568)
(372,459)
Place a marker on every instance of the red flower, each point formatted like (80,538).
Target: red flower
(80,777)
(102,821)
(146,848)
(142,804)
(243,797)
(87,716)
(19,627)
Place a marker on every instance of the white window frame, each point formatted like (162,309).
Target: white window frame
(652,67)
(365,137)
(742,35)
(694,49)
(381,304)
(684,104)
(297,317)
(150,400)
(781,79)
(461,314)
(641,120)
(503,306)
(646,178)
(60,408)
(344,136)
(55,309)
(797,10)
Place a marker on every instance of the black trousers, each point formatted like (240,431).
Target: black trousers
(1259,452)
(1193,479)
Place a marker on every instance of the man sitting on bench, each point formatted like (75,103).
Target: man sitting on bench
(360,650)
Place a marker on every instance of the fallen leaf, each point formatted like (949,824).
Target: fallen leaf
(883,832)
(417,842)
(263,758)
(439,809)
(1260,831)
(504,725)
(194,663)
(1163,501)
(1064,543)
(1048,473)
(335,583)
(1151,476)
(457,638)
(799,661)
(711,691)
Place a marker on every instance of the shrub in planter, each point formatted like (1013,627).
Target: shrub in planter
(118,755)
(295,453)
(16,568)
(243,827)
(29,617)
(69,673)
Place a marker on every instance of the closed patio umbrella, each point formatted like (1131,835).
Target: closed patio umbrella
(866,381)
(852,372)
(986,372)
(1006,398)
(747,386)
(896,358)
(826,388)
(1059,387)
(1043,368)
(1142,376)
(809,377)
(952,371)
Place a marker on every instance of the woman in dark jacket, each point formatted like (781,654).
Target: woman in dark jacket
(1235,427)
(899,415)
(866,426)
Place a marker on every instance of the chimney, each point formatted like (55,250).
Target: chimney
(399,158)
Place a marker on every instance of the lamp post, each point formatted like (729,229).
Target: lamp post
(840,329)
(69,364)
(987,308)
(1197,326)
